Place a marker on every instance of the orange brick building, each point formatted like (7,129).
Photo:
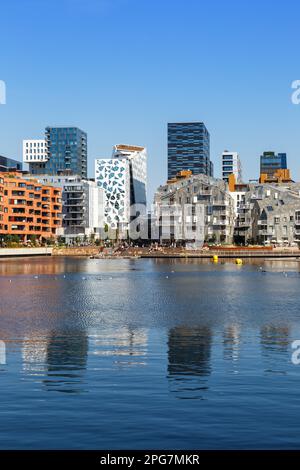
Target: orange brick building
(28,208)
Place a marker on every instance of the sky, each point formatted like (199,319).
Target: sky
(122,69)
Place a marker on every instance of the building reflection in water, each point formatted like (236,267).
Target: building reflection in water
(34,355)
(231,342)
(275,342)
(189,361)
(58,360)
(126,346)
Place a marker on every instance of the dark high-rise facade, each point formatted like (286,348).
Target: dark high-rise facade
(188,148)
(270,163)
(65,151)
(9,164)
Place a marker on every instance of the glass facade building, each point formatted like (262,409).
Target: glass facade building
(188,148)
(270,163)
(66,151)
(9,164)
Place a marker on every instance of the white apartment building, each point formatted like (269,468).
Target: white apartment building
(82,206)
(231,164)
(35,151)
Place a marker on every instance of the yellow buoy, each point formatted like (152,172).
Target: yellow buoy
(215,258)
(238,261)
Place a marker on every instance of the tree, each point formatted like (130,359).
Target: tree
(50,241)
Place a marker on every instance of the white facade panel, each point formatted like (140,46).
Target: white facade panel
(35,151)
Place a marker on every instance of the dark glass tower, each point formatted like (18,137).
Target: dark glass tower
(270,163)
(188,148)
(67,151)
(8,164)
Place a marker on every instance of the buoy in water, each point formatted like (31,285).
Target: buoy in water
(215,258)
(238,261)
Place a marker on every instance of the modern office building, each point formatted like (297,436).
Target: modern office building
(124,180)
(231,165)
(63,149)
(28,208)
(82,206)
(270,163)
(137,158)
(9,164)
(188,149)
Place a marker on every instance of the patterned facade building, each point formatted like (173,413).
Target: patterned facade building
(113,176)
(124,181)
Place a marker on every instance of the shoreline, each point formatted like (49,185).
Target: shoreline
(142,253)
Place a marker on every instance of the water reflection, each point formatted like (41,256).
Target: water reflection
(275,344)
(231,342)
(125,346)
(117,343)
(189,360)
(59,360)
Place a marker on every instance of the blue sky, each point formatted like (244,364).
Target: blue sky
(121,69)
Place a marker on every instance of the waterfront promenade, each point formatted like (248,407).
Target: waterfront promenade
(161,252)
(15,252)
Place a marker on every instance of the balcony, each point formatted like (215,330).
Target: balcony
(266,233)
(243,223)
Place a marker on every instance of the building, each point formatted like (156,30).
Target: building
(279,176)
(28,208)
(124,181)
(9,164)
(189,149)
(231,165)
(275,215)
(82,206)
(113,176)
(211,194)
(270,163)
(137,158)
(266,213)
(35,151)
(64,149)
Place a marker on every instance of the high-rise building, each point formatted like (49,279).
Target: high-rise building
(231,165)
(137,158)
(124,180)
(114,177)
(188,149)
(64,149)
(9,164)
(270,163)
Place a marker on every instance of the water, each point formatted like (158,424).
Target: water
(124,354)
